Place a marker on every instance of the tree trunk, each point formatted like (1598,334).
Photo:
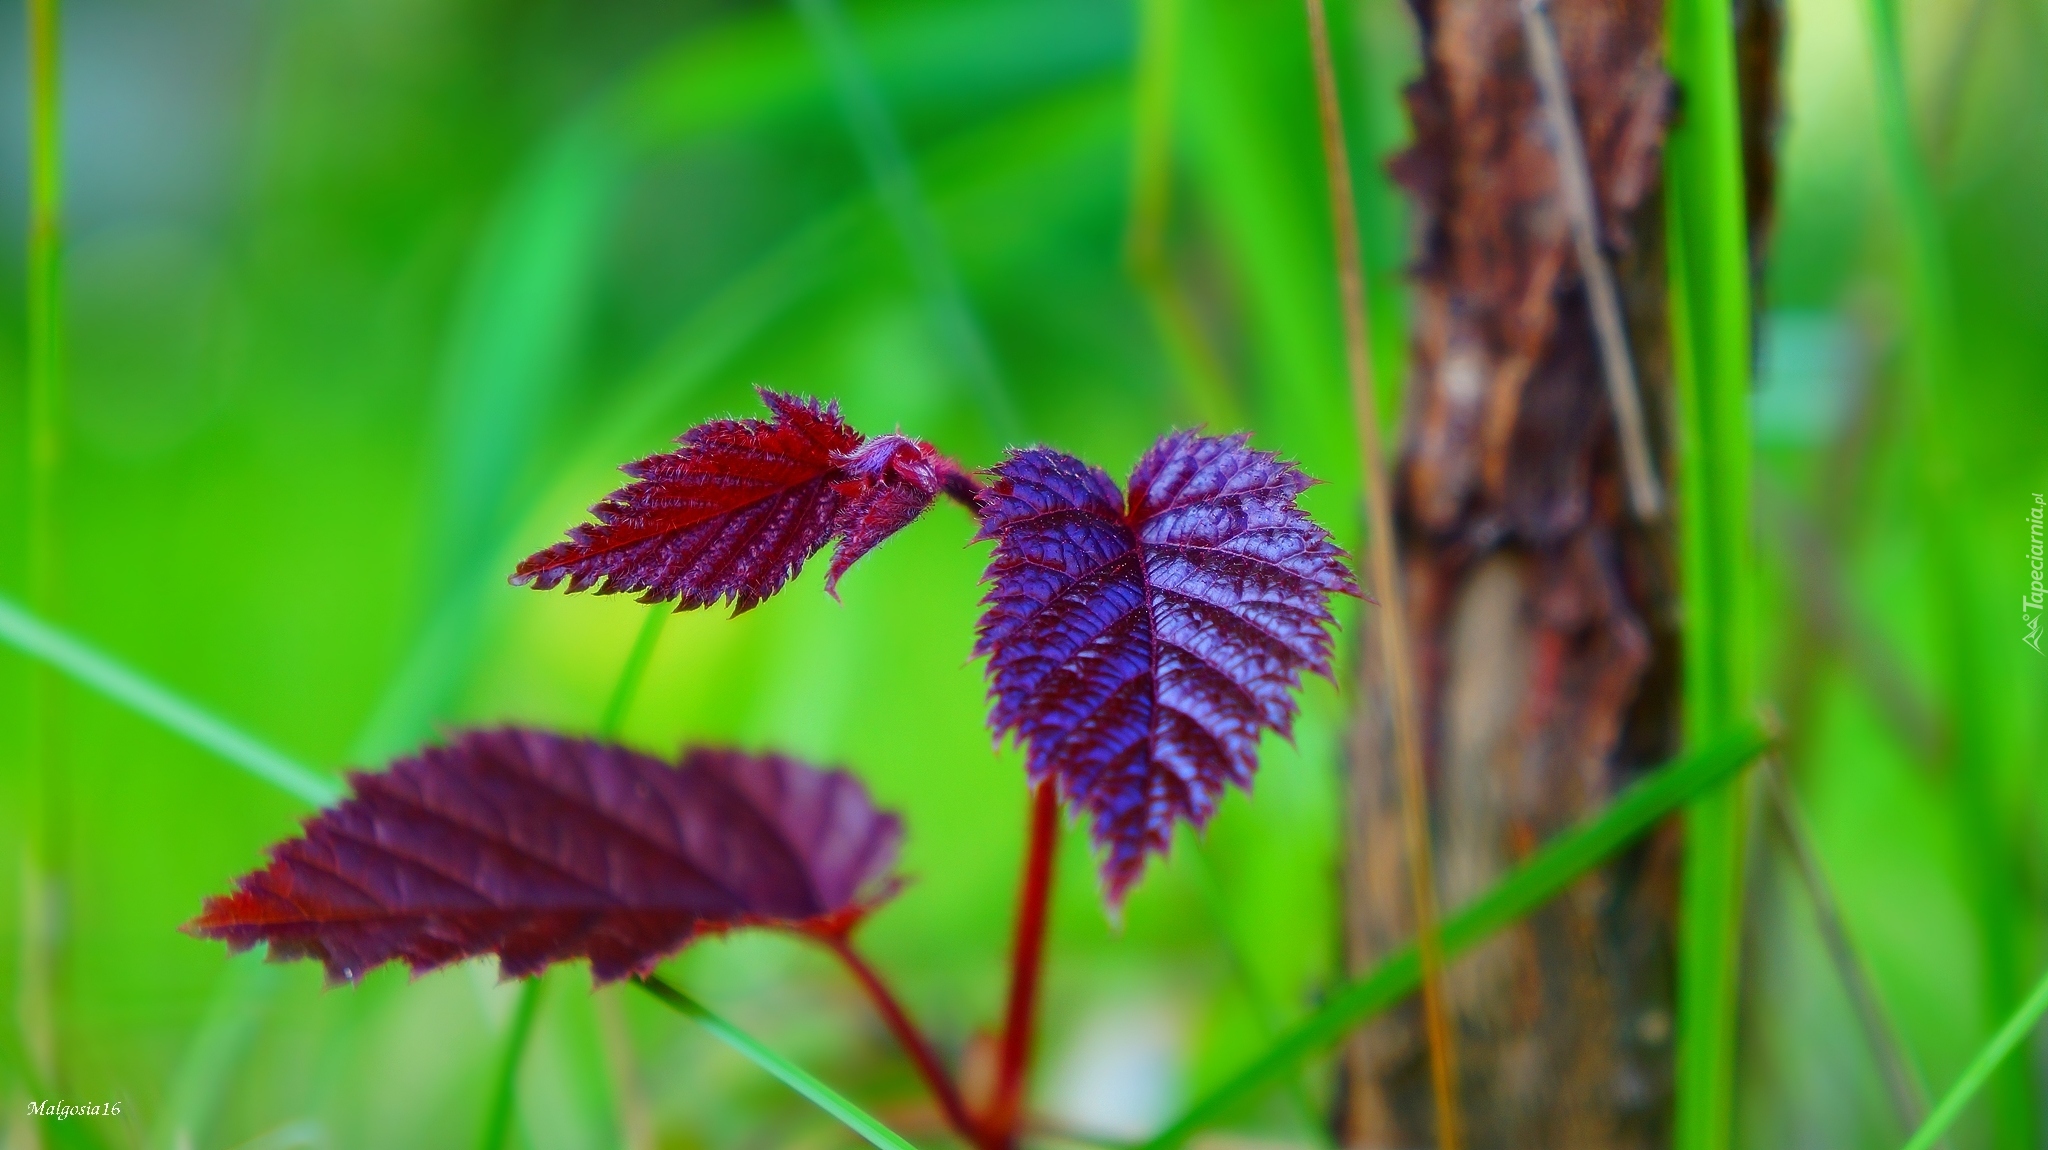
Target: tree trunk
(1545,615)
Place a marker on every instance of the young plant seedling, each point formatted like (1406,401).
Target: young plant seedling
(1139,642)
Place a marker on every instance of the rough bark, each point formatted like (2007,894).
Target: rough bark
(1545,615)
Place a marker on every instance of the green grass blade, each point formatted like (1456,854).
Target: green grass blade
(498,1119)
(1546,874)
(1934,361)
(1931,297)
(1982,1067)
(633,672)
(518,327)
(99,671)
(523,306)
(1710,329)
(1709,937)
(791,1075)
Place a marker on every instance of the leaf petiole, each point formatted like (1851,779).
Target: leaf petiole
(907,1035)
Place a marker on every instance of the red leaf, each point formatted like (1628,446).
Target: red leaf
(730,514)
(542,848)
(735,510)
(1140,648)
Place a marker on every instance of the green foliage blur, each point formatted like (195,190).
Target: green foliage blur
(364,301)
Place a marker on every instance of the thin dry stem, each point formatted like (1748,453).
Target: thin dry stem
(1830,617)
(1151,135)
(39,987)
(1645,494)
(1395,648)
(1945,109)
(1902,1085)
(1195,359)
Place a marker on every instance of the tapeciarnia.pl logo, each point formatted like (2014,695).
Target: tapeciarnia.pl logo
(60,1109)
(2036,598)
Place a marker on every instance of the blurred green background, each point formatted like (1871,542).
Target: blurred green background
(366,300)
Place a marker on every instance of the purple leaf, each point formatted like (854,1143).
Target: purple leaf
(542,848)
(1139,648)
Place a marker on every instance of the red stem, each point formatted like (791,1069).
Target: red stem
(1014,1059)
(911,1039)
(959,484)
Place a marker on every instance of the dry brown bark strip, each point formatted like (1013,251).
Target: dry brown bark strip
(1545,616)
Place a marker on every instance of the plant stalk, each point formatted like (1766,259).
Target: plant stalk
(959,485)
(1013,1058)
(1831,622)
(1707,248)
(936,1078)
(1395,646)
